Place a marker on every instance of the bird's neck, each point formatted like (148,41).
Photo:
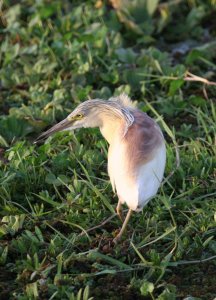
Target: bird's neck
(111,128)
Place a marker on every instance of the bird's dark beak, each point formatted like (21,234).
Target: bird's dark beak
(66,123)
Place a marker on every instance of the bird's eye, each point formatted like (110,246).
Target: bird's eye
(79,116)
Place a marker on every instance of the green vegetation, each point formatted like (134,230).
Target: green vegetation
(55,54)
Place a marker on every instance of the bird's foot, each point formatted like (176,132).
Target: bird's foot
(121,216)
(117,239)
(119,212)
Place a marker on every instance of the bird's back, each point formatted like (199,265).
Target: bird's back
(136,161)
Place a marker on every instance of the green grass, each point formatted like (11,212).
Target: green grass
(54,55)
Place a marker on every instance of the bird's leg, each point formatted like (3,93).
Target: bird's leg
(119,210)
(118,237)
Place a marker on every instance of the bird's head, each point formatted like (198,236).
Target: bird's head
(95,113)
(87,114)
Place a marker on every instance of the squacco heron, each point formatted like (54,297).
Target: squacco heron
(137,153)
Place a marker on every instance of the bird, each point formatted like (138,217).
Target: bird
(137,149)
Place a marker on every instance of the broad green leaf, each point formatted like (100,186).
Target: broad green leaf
(175,85)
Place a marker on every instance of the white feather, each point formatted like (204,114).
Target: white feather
(150,177)
(124,100)
(135,189)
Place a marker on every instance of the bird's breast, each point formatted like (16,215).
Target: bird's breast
(123,179)
(136,161)
(135,183)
